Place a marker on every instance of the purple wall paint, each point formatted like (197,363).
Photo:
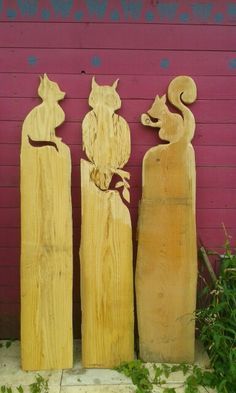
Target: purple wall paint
(144,44)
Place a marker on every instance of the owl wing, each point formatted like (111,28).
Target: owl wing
(89,131)
(122,145)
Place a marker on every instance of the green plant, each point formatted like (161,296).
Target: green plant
(8,389)
(7,344)
(141,376)
(218,324)
(40,385)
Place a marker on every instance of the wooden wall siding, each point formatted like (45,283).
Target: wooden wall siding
(145,44)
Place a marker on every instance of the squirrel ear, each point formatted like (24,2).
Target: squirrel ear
(94,83)
(115,84)
(163,98)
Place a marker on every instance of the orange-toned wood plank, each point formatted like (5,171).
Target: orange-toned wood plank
(166,272)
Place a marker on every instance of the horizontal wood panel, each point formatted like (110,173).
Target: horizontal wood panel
(9,320)
(130,86)
(120,11)
(117,36)
(9,294)
(9,276)
(71,134)
(206,218)
(211,237)
(208,177)
(205,155)
(211,198)
(9,197)
(9,256)
(205,111)
(101,61)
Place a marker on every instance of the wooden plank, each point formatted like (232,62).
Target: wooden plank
(10,217)
(166,269)
(9,275)
(216,198)
(105,61)
(184,12)
(131,86)
(213,238)
(106,254)
(9,320)
(101,36)
(212,218)
(9,256)
(46,237)
(9,197)
(9,294)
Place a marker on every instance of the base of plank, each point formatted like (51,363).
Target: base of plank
(166,275)
(46,259)
(106,276)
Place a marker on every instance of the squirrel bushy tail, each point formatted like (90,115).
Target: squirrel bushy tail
(182,90)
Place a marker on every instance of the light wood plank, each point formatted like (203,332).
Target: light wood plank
(46,237)
(106,236)
(166,271)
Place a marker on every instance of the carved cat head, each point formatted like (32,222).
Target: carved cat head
(49,90)
(104,95)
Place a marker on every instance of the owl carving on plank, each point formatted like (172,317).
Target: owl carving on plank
(106,137)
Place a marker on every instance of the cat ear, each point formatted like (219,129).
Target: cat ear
(45,77)
(115,84)
(94,83)
(163,99)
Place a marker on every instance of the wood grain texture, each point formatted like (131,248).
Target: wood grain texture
(133,87)
(166,272)
(117,62)
(101,36)
(106,235)
(46,237)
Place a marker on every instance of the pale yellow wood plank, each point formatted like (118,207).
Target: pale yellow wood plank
(46,237)
(106,236)
(166,272)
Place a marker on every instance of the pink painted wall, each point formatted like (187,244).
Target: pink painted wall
(144,44)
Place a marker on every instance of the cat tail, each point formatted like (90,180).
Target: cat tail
(182,90)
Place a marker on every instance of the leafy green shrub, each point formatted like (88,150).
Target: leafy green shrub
(218,325)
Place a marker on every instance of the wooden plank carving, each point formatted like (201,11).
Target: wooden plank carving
(46,237)
(106,239)
(166,272)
